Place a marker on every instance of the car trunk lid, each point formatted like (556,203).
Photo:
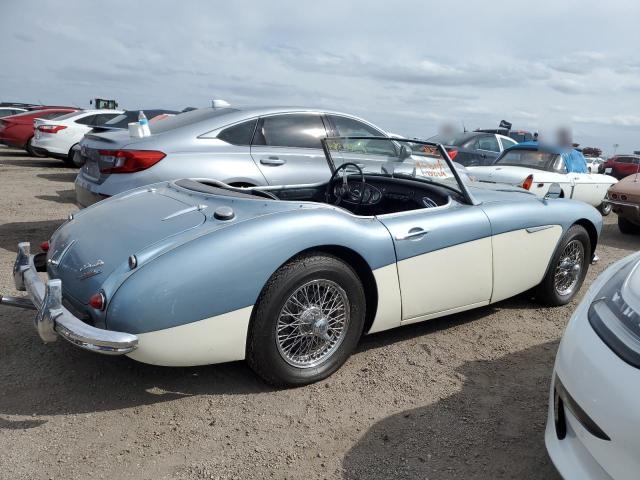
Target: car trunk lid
(87,249)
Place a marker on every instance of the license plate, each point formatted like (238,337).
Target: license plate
(92,170)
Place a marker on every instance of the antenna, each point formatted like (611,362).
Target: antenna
(464,129)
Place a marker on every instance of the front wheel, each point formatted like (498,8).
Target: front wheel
(308,320)
(567,268)
(604,208)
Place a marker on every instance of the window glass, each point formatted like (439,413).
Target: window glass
(102,118)
(50,115)
(350,127)
(88,120)
(291,130)
(507,142)
(488,142)
(240,134)
(188,118)
(531,159)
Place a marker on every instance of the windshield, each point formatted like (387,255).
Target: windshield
(392,156)
(531,159)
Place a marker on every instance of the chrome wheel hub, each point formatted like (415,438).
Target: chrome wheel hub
(312,323)
(569,268)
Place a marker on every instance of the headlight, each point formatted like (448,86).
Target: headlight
(615,322)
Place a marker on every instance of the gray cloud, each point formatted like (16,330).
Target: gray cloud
(407,68)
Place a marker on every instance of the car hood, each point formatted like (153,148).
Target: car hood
(91,251)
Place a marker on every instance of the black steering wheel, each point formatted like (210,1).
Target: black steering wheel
(344,188)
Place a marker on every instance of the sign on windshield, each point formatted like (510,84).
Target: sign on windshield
(392,156)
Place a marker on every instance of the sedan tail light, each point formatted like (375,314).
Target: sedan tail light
(128,161)
(51,128)
(453,153)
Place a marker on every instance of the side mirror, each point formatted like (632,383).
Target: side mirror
(405,152)
(554,191)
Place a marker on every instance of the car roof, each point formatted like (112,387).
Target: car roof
(540,147)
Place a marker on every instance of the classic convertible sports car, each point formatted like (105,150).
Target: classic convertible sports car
(194,271)
(536,167)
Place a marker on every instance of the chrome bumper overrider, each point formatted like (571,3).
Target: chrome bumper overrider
(618,203)
(53,318)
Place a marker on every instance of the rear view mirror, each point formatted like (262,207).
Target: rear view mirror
(405,152)
(554,191)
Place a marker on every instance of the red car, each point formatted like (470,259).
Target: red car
(621,166)
(17,130)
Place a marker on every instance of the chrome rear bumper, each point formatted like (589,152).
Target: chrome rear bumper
(53,319)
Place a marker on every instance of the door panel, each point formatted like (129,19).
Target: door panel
(515,272)
(444,258)
(287,149)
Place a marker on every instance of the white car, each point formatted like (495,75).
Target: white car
(9,111)
(593,418)
(56,137)
(536,167)
(593,164)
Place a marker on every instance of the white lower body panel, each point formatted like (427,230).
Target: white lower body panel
(218,339)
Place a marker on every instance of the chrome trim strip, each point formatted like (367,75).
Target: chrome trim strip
(618,203)
(538,229)
(54,319)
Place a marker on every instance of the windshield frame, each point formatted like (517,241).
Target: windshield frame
(463,190)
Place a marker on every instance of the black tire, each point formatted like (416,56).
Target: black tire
(604,208)
(69,160)
(263,350)
(627,227)
(546,292)
(31,151)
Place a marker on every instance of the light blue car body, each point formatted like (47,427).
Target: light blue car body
(191,266)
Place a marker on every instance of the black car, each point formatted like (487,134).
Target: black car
(473,149)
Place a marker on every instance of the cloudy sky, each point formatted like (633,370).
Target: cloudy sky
(407,66)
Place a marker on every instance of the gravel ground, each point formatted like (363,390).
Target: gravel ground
(459,397)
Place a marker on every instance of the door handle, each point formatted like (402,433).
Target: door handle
(412,233)
(274,161)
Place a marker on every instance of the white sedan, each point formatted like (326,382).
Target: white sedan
(56,137)
(536,167)
(594,419)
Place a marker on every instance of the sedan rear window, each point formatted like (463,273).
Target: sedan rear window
(189,118)
(240,134)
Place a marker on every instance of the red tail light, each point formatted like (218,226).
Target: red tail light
(44,246)
(453,153)
(127,161)
(51,128)
(97,301)
(527,182)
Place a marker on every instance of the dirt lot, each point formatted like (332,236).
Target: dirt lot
(459,397)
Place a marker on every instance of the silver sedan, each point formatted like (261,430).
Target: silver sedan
(241,147)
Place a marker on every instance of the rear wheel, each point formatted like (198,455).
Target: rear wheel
(567,268)
(70,159)
(31,151)
(627,227)
(604,208)
(307,322)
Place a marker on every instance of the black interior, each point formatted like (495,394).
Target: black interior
(381,194)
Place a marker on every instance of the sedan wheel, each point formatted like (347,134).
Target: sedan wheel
(307,321)
(605,208)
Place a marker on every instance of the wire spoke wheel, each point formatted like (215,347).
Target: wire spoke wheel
(312,323)
(569,268)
